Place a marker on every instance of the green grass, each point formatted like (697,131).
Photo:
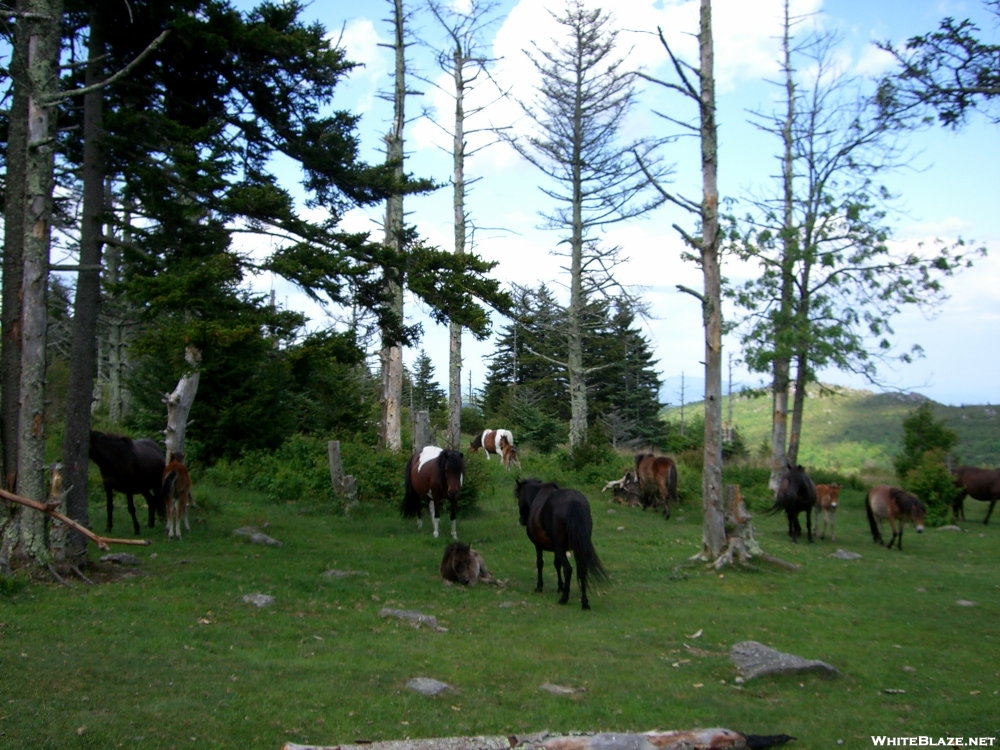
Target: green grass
(171,657)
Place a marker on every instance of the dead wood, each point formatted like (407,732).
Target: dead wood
(50,510)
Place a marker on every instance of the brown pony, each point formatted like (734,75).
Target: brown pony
(500,442)
(657,478)
(979,484)
(895,506)
(827,500)
(176,494)
(435,474)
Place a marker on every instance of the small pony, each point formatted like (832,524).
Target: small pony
(827,500)
(500,442)
(657,477)
(134,467)
(895,506)
(979,484)
(462,564)
(558,520)
(437,474)
(796,493)
(176,494)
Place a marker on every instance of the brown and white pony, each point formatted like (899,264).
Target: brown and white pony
(827,500)
(500,442)
(176,494)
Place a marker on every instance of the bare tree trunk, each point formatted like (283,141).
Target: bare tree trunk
(458,203)
(83,355)
(391,354)
(179,402)
(713,525)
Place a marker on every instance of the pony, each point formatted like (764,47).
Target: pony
(558,520)
(895,506)
(827,500)
(500,442)
(462,564)
(437,474)
(129,466)
(657,478)
(979,484)
(796,493)
(176,494)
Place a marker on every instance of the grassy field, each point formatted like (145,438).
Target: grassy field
(168,654)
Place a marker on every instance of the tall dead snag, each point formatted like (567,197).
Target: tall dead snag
(179,402)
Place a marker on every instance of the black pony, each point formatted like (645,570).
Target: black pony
(435,474)
(796,493)
(134,467)
(558,520)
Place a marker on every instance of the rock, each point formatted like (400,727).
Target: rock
(428,686)
(121,558)
(843,554)
(753,659)
(259,600)
(416,619)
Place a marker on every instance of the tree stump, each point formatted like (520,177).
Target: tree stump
(344,485)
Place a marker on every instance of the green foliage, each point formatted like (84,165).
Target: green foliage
(923,433)
(13,583)
(930,480)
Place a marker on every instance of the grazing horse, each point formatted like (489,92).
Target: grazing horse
(895,506)
(796,493)
(657,477)
(176,494)
(129,466)
(558,520)
(437,474)
(979,484)
(462,564)
(500,442)
(827,500)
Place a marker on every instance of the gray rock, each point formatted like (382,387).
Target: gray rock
(843,554)
(259,600)
(428,686)
(753,659)
(416,619)
(121,558)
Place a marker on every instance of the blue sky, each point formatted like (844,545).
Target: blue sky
(948,190)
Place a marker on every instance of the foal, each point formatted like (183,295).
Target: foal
(176,492)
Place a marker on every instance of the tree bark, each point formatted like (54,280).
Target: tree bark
(180,401)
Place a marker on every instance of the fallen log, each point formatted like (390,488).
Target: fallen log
(696,739)
(50,510)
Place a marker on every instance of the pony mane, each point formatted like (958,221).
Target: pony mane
(906,502)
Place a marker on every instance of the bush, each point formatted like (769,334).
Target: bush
(930,480)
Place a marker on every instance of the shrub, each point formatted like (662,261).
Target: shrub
(930,480)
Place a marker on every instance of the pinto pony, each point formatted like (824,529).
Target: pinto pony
(176,494)
(796,493)
(500,442)
(558,520)
(885,503)
(827,500)
(436,474)
(979,484)
(657,478)
(133,467)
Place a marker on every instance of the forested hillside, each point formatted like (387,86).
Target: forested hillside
(848,430)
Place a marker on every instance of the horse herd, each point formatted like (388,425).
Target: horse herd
(556,519)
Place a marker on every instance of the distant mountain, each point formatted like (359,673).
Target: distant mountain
(850,430)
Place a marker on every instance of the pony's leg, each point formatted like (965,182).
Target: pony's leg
(809,528)
(452,509)
(131,512)
(111,506)
(567,579)
(990,510)
(833,525)
(434,518)
(539,565)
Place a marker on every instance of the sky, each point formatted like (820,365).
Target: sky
(946,191)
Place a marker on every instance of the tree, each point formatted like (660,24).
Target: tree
(949,71)
(922,433)
(829,281)
(578,112)
(425,393)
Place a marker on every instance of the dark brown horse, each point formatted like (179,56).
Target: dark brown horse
(979,484)
(499,442)
(657,478)
(796,493)
(462,564)
(435,474)
(885,503)
(132,467)
(558,520)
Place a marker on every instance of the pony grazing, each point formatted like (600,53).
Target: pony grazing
(657,477)
(558,520)
(885,503)
(796,493)
(129,466)
(979,484)
(434,473)
(176,494)
(500,442)
(827,500)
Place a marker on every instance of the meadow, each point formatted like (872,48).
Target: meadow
(168,654)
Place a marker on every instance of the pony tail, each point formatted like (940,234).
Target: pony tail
(411,500)
(872,523)
(583,548)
